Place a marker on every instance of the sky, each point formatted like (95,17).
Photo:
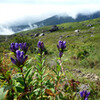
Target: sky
(28,11)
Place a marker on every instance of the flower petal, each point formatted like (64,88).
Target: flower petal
(81,94)
(86,98)
(13,61)
(60,54)
(88,93)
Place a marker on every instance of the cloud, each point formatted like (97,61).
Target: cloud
(50,1)
(27,13)
(17,12)
(5,30)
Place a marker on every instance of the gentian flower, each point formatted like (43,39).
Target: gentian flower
(14,47)
(61,46)
(40,47)
(84,94)
(23,47)
(20,59)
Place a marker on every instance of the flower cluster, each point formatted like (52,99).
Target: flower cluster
(84,94)
(20,59)
(23,47)
(61,46)
(15,46)
(40,47)
(20,56)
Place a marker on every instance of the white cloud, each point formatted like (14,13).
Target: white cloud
(13,12)
(48,1)
(28,11)
(4,30)
(34,10)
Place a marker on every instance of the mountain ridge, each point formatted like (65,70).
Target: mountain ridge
(54,20)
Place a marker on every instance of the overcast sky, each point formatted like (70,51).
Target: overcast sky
(20,11)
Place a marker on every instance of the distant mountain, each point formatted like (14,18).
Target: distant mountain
(82,17)
(23,27)
(56,20)
(60,19)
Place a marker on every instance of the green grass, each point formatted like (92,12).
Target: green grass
(82,51)
(76,45)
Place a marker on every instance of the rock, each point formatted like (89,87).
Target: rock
(89,25)
(92,35)
(77,70)
(72,35)
(36,35)
(42,34)
(84,87)
(54,28)
(96,77)
(43,31)
(92,27)
(62,28)
(70,27)
(76,31)
(27,34)
(83,24)
(21,35)
(60,37)
(67,36)
(31,35)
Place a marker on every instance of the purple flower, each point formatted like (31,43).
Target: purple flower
(14,47)
(60,54)
(40,47)
(84,94)
(61,46)
(13,61)
(23,47)
(20,59)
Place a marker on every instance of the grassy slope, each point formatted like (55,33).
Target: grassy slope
(83,50)
(77,45)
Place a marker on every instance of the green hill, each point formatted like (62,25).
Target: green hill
(82,55)
(83,48)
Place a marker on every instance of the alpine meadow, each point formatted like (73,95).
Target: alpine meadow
(54,62)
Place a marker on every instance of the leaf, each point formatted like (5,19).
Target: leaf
(22,94)
(39,64)
(7,88)
(20,80)
(55,71)
(58,68)
(19,89)
(30,78)
(28,62)
(43,62)
(48,91)
(37,67)
(27,73)
(3,94)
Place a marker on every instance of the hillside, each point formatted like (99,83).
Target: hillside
(82,55)
(86,40)
(53,20)
(57,19)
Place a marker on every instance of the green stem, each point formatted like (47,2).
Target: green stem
(12,90)
(41,78)
(25,88)
(41,88)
